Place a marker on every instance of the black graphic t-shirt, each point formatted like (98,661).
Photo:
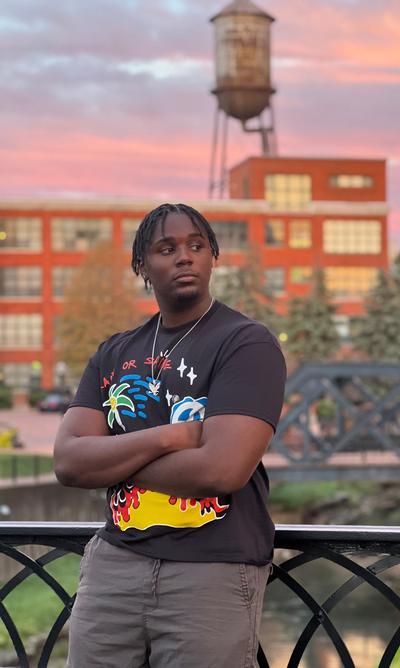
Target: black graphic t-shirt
(227,365)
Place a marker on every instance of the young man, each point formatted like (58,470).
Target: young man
(174,417)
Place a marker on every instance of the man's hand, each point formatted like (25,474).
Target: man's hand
(230,450)
(184,435)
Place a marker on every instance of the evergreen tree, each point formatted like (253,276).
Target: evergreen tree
(379,329)
(244,288)
(310,325)
(98,302)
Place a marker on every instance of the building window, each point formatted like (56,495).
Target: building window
(231,234)
(79,234)
(22,281)
(350,282)
(352,236)
(17,374)
(274,233)
(301,275)
(226,282)
(61,278)
(287,191)
(129,229)
(21,331)
(223,277)
(275,280)
(21,234)
(300,234)
(351,181)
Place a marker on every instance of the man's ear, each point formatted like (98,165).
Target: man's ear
(144,275)
(143,272)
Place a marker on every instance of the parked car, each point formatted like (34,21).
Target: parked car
(9,436)
(55,402)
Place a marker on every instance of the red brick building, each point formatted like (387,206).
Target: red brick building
(299,213)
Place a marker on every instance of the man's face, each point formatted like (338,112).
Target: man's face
(178,261)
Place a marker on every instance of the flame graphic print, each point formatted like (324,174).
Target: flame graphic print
(134,507)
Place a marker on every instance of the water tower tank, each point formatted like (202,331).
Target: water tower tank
(243,73)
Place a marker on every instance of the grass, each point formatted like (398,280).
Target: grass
(24,465)
(295,496)
(33,606)
(396,660)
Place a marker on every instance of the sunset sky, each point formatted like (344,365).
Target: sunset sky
(111,97)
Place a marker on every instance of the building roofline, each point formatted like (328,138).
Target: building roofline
(238,206)
(307,159)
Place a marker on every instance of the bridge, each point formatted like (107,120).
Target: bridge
(340,420)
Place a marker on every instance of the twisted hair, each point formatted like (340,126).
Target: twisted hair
(147,227)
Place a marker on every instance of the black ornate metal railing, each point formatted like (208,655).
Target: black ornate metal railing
(341,407)
(365,556)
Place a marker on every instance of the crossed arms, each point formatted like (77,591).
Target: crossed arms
(195,459)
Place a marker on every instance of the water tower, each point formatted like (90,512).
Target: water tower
(243,80)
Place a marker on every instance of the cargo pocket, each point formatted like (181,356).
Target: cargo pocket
(86,556)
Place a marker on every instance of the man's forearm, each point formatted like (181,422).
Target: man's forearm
(92,461)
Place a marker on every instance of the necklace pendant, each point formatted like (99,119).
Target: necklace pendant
(155,387)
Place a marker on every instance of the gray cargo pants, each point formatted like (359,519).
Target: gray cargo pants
(133,611)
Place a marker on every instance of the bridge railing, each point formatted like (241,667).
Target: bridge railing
(342,412)
(366,556)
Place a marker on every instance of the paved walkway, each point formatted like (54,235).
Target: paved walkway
(37,430)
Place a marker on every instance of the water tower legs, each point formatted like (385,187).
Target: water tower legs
(219,150)
(267,133)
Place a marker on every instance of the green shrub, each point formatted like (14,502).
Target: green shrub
(35,395)
(303,495)
(326,409)
(5,396)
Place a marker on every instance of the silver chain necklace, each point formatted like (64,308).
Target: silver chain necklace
(155,384)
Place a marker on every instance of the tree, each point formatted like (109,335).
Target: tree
(310,325)
(98,302)
(379,329)
(244,288)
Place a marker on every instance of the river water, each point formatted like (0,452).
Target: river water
(365,620)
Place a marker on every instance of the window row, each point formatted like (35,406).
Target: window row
(341,282)
(26,282)
(339,236)
(80,234)
(67,234)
